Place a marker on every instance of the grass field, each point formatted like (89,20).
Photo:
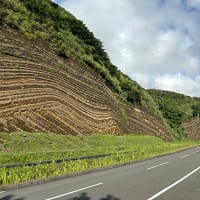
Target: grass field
(25,147)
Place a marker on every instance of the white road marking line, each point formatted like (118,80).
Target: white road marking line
(185,156)
(172,185)
(157,165)
(62,195)
(2,192)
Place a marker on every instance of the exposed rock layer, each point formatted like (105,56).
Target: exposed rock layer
(192,128)
(40,91)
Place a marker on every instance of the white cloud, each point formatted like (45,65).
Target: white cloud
(156,42)
(178,83)
(194,3)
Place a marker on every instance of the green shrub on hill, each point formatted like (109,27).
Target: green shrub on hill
(176,108)
(196,110)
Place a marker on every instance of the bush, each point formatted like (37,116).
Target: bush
(196,110)
(134,97)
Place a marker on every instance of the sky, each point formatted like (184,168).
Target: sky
(155,42)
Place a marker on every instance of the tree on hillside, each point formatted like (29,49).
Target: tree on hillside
(172,113)
(196,110)
(134,97)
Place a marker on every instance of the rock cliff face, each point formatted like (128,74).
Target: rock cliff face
(40,91)
(192,128)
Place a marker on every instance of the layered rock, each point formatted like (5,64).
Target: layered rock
(192,128)
(42,92)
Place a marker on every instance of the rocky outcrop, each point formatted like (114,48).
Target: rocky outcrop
(41,92)
(192,128)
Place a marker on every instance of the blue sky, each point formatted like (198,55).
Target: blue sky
(155,42)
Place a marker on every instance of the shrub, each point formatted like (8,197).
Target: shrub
(196,110)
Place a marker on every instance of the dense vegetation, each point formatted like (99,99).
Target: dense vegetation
(71,39)
(176,108)
(196,109)
(32,147)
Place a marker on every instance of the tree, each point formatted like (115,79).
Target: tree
(134,97)
(196,110)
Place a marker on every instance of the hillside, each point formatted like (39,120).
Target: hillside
(181,112)
(56,77)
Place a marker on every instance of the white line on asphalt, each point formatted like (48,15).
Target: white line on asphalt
(157,165)
(2,192)
(174,184)
(185,156)
(62,195)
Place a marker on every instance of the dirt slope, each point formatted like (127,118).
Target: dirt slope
(40,91)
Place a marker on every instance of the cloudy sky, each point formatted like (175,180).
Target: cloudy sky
(155,42)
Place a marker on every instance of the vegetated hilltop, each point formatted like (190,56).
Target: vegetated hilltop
(56,77)
(182,112)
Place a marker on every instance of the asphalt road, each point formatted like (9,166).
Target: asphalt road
(172,177)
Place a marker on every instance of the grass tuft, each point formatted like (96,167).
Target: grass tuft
(22,147)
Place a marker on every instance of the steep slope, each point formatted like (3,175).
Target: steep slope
(55,79)
(42,92)
(182,112)
(192,128)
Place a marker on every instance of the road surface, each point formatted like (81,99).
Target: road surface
(172,177)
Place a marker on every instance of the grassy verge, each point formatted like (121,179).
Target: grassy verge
(27,147)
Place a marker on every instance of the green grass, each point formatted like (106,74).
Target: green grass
(53,146)
(24,147)
(22,142)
